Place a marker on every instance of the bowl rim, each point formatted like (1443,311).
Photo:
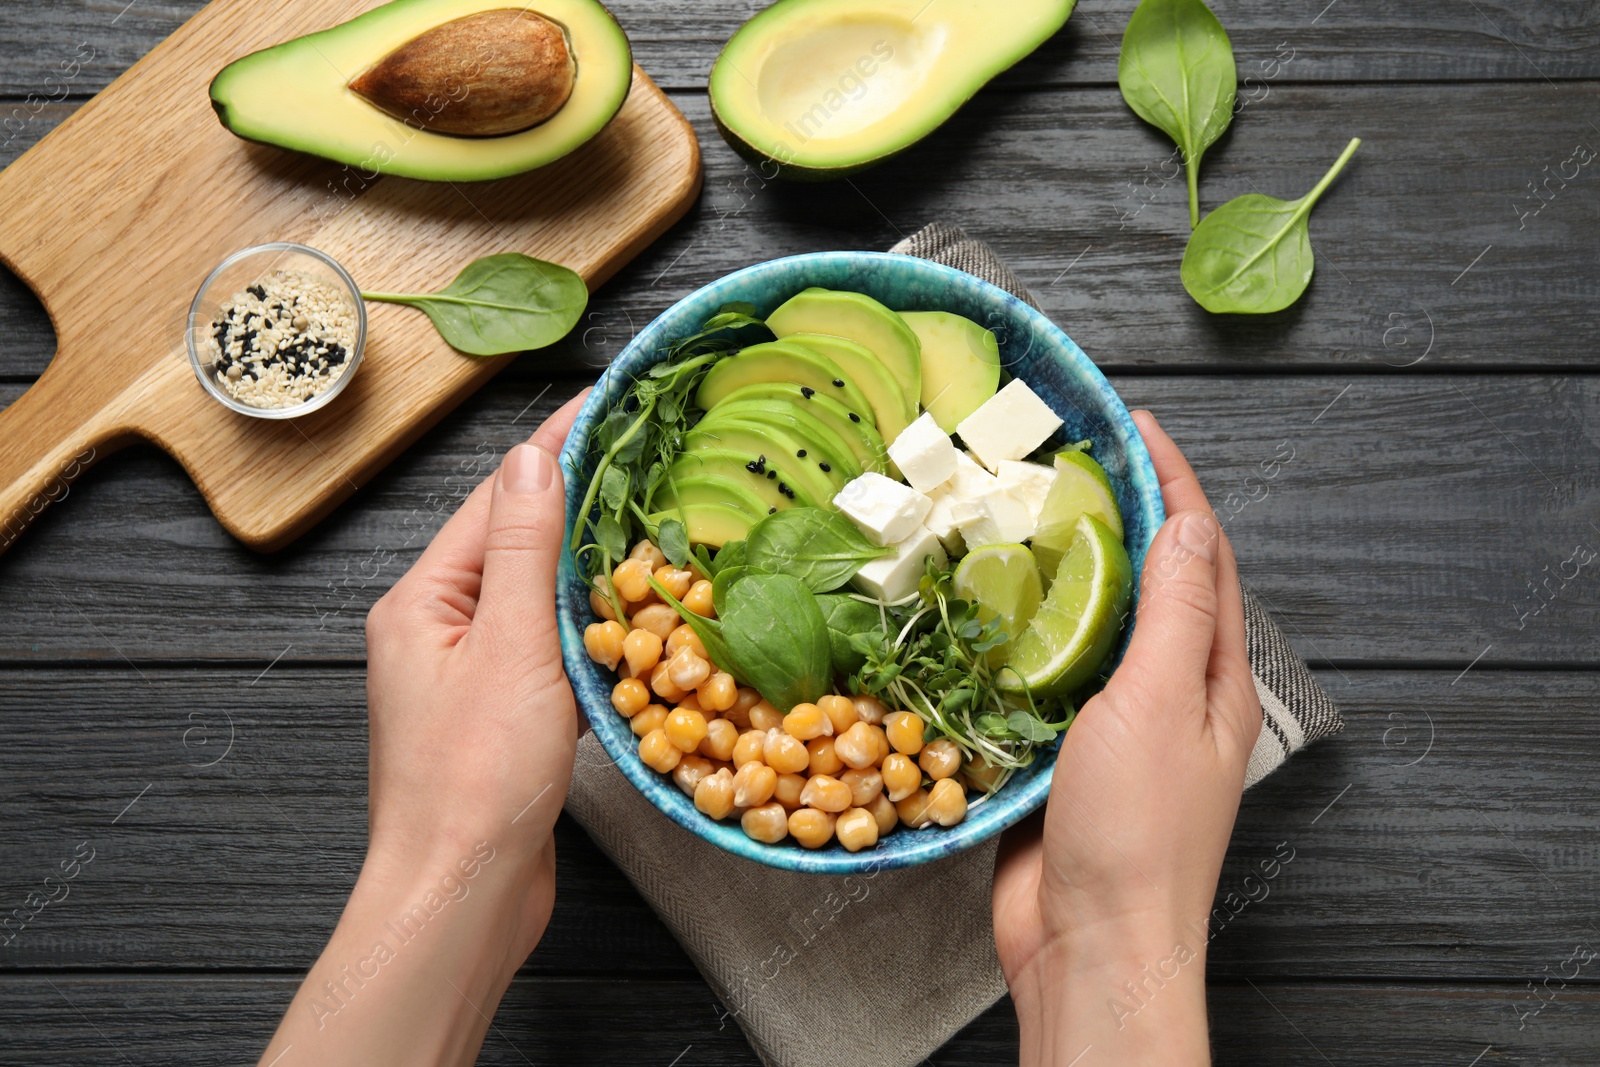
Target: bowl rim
(1023,797)
(323,398)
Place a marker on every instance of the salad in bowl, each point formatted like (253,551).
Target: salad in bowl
(850,537)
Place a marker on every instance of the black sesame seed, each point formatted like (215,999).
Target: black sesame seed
(807,392)
(854,417)
(772,474)
(257,292)
(772,511)
(825,467)
(801,453)
(838,383)
(752,468)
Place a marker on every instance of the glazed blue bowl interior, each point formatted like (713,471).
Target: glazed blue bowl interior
(1031,347)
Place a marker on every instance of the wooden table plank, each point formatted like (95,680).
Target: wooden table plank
(1077,195)
(1400,526)
(90,1019)
(1398,40)
(1412,846)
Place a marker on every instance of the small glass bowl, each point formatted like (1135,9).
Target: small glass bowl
(245,267)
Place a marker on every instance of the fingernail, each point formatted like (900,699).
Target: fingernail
(1199,534)
(527,469)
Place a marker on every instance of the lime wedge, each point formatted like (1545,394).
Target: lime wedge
(1073,631)
(1081,488)
(1003,581)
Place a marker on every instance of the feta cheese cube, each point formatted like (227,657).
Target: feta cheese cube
(970,480)
(1008,425)
(895,577)
(925,454)
(1028,482)
(995,518)
(942,520)
(886,511)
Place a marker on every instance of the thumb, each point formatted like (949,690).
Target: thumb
(1178,605)
(527,519)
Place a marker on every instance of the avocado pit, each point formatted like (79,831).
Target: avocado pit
(484,75)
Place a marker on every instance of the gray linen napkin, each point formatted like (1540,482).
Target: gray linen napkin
(880,968)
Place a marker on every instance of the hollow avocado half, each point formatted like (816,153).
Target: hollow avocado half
(821,89)
(298,94)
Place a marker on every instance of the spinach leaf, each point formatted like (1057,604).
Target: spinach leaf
(1253,254)
(504,303)
(823,549)
(723,582)
(778,639)
(731,554)
(672,537)
(1176,71)
(709,631)
(846,617)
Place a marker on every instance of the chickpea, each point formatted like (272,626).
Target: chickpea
(714,794)
(600,601)
(940,759)
(788,790)
(869,709)
(982,775)
(629,697)
(661,683)
(657,752)
(685,637)
(763,716)
(739,714)
(686,728)
(631,579)
(690,769)
(913,810)
(605,642)
(690,702)
(856,829)
(857,746)
(651,718)
(904,729)
(643,650)
(648,552)
(698,600)
(883,810)
(657,619)
(841,713)
(824,760)
(753,785)
(826,793)
(768,823)
(806,721)
(674,581)
(883,743)
(717,693)
(687,670)
(901,777)
(810,827)
(947,802)
(785,754)
(749,746)
(721,737)
(864,785)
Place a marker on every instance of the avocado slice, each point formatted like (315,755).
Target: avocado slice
(826,446)
(735,468)
(820,89)
(769,445)
(858,434)
(712,525)
(859,318)
(299,94)
(960,364)
(711,489)
(892,409)
(775,361)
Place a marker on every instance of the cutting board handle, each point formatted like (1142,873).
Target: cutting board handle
(49,436)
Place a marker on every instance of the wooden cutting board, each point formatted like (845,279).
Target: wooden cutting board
(116,217)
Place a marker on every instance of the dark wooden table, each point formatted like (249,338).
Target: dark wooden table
(194,713)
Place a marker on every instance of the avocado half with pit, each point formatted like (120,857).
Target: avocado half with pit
(820,89)
(443,90)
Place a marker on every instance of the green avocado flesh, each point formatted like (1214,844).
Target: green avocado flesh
(296,95)
(772,445)
(859,435)
(713,525)
(710,489)
(825,447)
(775,361)
(960,364)
(729,467)
(859,318)
(890,409)
(819,89)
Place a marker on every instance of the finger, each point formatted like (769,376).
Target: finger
(1180,489)
(1233,686)
(527,519)
(1178,606)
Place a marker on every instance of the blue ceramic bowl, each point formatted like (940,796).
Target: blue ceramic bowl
(1031,348)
